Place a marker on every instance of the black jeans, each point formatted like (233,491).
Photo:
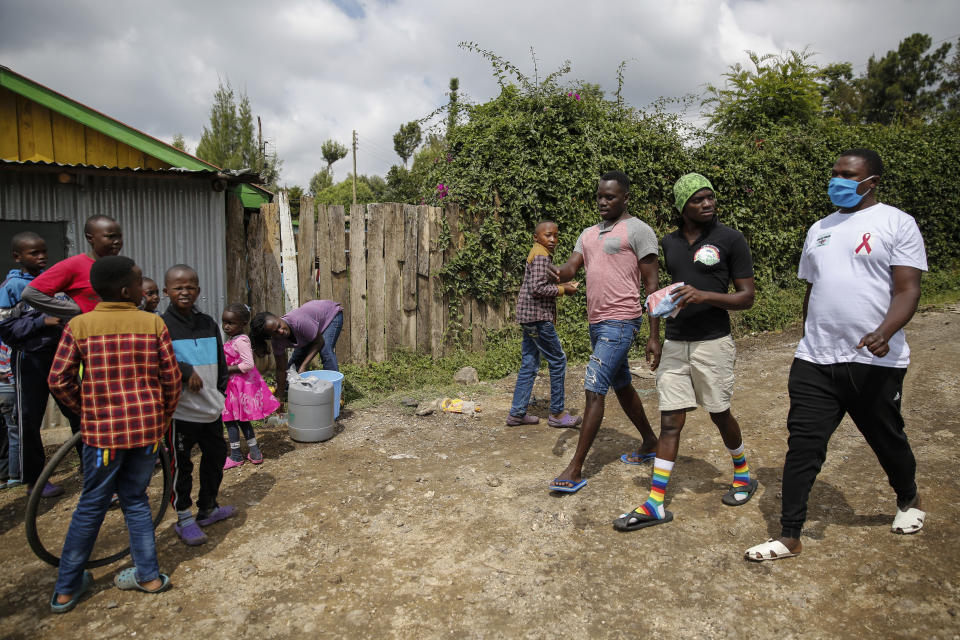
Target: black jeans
(30,371)
(820,395)
(213,453)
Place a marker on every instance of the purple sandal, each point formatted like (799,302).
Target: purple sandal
(564,421)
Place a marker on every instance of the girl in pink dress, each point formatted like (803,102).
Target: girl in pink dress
(248,397)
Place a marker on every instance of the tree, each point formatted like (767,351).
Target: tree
(294,194)
(903,85)
(453,107)
(332,151)
(342,193)
(950,87)
(782,89)
(841,97)
(320,181)
(179,143)
(406,140)
(230,143)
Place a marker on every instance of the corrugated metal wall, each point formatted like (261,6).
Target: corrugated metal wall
(165,221)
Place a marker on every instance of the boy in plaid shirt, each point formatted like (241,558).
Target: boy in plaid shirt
(536,313)
(130,388)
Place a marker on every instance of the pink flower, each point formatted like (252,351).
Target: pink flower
(576,96)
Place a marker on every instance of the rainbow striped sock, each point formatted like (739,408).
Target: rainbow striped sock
(741,471)
(658,486)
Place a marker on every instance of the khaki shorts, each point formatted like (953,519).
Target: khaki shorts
(696,373)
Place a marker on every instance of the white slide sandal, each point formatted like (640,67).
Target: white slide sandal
(909,521)
(769,550)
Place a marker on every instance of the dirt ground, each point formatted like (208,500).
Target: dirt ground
(442,526)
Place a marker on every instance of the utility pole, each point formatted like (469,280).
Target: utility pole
(354,166)
(263,152)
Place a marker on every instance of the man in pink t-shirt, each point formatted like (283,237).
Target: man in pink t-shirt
(617,254)
(72,276)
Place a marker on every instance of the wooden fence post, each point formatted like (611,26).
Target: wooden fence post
(358,284)
(322,247)
(393,259)
(375,283)
(423,279)
(236,252)
(409,336)
(439,313)
(340,286)
(307,251)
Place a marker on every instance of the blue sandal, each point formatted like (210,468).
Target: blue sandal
(126,580)
(85,585)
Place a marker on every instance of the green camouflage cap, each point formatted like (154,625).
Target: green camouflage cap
(688,185)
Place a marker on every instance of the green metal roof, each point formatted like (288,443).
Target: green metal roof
(100,122)
(251,195)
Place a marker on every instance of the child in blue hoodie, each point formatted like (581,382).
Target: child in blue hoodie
(197,419)
(33,337)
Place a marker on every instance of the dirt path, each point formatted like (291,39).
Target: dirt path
(442,526)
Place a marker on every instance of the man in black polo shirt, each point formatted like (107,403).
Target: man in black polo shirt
(696,366)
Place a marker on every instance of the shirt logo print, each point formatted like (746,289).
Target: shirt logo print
(823,240)
(708,255)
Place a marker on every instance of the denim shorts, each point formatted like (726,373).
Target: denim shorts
(608,367)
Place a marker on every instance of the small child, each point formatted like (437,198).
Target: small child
(248,397)
(536,313)
(199,349)
(124,411)
(151,295)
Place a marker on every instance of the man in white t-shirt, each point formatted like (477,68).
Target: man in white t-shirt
(862,265)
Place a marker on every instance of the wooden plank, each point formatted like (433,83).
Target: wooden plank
(307,251)
(393,256)
(68,146)
(9,135)
(35,131)
(340,280)
(288,255)
(236,252)
(376,281)
(409,302)
(423,279)
(256,258)
(321,245)
(269,214)
(128,157)
(101,150)
(439,312)
(358,286)
(477,312)
(338,253)
(153,163)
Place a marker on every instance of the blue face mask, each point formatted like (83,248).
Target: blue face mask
(843,192)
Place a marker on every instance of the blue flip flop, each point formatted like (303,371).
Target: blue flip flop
(625,458)
(85,585)
(573,489)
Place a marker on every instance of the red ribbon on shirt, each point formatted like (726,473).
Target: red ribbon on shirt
(863,245)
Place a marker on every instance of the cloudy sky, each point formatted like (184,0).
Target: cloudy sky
(320,69)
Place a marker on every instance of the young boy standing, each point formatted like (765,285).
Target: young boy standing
(33,336)
(536,314)
(197,420)
(124,412)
